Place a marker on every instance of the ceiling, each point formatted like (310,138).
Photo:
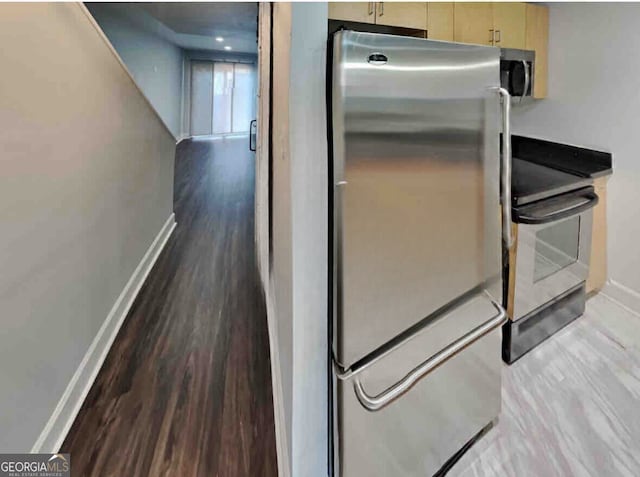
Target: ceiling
(196,25)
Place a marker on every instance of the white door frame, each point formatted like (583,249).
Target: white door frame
(262,224)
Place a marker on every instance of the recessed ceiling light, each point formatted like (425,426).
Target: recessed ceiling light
(220,39)
(227,47)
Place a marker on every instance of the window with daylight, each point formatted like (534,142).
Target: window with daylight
(222,97)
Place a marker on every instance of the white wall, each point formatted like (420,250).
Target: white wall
(85,187)
(594,101)
(155,63)
(309,176)
(299,260)
(281,273)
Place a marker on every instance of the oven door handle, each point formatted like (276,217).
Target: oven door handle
(543,215)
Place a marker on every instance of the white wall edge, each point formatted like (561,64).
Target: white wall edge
(282,452)
(262,211)
(623,296)
(58,425)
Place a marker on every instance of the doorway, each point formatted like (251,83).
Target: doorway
(222,97)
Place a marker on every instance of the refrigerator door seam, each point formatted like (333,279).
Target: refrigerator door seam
(343,373)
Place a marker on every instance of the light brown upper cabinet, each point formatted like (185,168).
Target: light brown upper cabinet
(402,14)
(399,14)
(502,24)
(473,23)
(364,12)
(440,21)
(497,24)
(537,39)
(509,20)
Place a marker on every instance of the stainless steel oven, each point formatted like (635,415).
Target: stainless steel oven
(549,262)
(553,248)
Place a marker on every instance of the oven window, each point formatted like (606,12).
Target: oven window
(557,247)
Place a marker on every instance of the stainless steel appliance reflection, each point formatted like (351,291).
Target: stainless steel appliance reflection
(416,250)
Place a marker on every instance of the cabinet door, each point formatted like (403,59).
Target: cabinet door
(537,39)
(509,19)
(598,260)
(440,21)
(363,12)
(473,23)
(402,14)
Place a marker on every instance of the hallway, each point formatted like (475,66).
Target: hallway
(186,387)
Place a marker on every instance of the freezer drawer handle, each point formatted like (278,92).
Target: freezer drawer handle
(375,403)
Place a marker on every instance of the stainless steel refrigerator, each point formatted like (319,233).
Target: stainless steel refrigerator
(417,250)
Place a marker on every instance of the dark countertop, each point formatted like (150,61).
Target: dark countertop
(571,159)
(531,182)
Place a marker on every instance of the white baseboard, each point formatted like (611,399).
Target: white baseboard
(181,138)
(56,429)
(626,297)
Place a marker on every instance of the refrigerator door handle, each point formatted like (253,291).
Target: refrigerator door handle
(505,169)
(527,79)
(386,397)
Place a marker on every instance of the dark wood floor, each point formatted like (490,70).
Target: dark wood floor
(186,387)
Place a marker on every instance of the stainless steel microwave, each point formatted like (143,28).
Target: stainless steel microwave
(517,72)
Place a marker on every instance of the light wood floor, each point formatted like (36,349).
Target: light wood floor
(186,388)
(571,407)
